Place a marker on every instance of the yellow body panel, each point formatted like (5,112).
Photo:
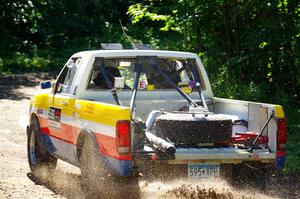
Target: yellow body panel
(62,102)
(279,111)
(103,113)
(39,101)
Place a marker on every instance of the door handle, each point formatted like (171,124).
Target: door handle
(64,103)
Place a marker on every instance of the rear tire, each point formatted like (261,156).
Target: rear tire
(93,174)
(98,181)
(39,159)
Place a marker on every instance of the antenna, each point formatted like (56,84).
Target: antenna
(134,46)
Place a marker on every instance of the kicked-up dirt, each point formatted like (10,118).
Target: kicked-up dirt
(16,180)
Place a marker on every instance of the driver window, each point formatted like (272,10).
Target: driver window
(66,78)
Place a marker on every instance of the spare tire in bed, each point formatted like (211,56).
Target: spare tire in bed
(194,130)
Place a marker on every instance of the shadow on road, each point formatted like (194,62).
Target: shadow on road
(10,84)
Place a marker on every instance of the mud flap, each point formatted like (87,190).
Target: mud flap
(119,167)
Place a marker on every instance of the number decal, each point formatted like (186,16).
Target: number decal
(54,117)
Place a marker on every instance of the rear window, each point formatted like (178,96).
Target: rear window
(176,69)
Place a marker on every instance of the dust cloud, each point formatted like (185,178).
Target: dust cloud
(203,189)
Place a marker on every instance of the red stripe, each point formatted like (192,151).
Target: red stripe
(108,146)
(67,133)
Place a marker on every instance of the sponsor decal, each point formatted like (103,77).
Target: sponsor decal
(142,84)
(54,117)
(88,109)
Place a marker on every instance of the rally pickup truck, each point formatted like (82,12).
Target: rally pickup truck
(125,112)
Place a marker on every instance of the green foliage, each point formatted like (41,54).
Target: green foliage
(293,143)
(247,39)
(138,12)
(1,65)
(21,62)
(45,33)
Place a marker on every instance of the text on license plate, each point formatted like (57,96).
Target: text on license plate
(200,171)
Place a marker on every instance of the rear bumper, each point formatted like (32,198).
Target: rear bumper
(221,155)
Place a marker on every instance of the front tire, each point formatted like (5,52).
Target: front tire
(39,159)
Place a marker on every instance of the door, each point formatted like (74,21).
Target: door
(61,105)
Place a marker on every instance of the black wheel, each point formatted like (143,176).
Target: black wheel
(39,158)
(250,175)
(98,181)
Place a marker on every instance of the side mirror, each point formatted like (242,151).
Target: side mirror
(45,84)
(119,82)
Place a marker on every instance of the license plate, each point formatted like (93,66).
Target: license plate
(200,171)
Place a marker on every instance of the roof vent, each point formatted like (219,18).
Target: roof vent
(111,46)
(142,46)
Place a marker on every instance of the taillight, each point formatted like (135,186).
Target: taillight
(123,136)
(281,136)
(281,143)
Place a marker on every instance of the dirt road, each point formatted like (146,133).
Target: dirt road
(16,180)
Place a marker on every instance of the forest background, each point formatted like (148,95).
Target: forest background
(250,48)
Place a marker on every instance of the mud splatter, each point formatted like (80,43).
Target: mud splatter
(205,189)
(186,191)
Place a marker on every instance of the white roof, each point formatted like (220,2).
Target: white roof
(134,53)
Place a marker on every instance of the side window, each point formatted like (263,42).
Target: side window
(97,80)
(66,77)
